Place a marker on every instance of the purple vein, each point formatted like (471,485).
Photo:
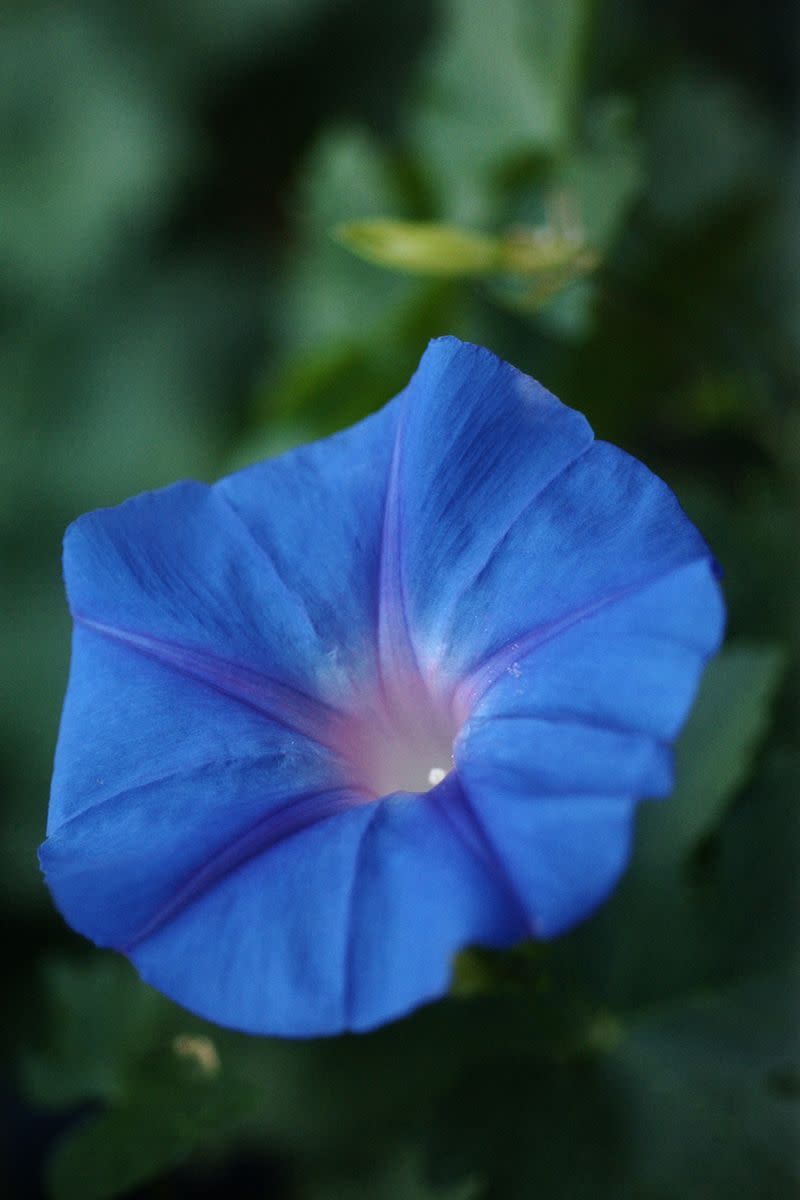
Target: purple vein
(489,671)
(292,818)
(396,650)
(518,516)
(487,852)
(299,600)
(285,705)
(348,983)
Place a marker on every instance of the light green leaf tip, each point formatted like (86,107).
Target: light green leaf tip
(428,248)
(421,247)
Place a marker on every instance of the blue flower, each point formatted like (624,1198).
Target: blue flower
(394,693)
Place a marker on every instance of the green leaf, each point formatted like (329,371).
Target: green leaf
(349,334)
(113,1154)
(328,297)
(584,195)
(425,248)
(336,383)
(698,1099)
(400,1176)
(500,85)
(713,1093)
(713,906)
(714,755)
(171,1085)
(201,31)
(101,1018)
(65,81)
(604,173)
(709,144)
(186,1110)
(422,248)
(527,1126)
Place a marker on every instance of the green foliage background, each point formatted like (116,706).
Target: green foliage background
(190,281)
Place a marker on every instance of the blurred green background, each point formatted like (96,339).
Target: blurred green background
(178,296)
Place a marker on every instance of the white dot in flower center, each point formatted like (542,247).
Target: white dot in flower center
(436,775)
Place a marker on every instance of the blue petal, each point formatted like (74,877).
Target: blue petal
(477,442)
(274,569)
(161,783)
(317,513)
(560,756)
(511,519)
(604,530)
(132,716)
(634,665)
(566,738)
(425,888)
(347,925)
(227,648)
(560,852)
(560,857)
(265,950)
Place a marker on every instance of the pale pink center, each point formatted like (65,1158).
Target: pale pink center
(400,742)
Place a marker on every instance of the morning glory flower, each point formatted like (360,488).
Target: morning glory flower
(395,693)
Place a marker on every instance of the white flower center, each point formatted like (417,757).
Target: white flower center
(406,746)
(413,765)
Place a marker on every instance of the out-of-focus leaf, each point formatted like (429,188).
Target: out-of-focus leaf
(543,257)
(698,1100)
(159,1128)
(730,906)
(401,1176)
(115,1041)
(746,886)
(526,1126)
(585,194)
(101,1018)
(500,85)
(707,144)
(604,174)
(134,362)
(328,297)
(714,755)
(713,1094)
(91,150)
(110,1155)
(166,1090)
(326,389)
(590,187)
(350,334)
(206,31)
(422,248)
(753,532)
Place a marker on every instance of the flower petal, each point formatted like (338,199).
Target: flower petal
(273,569)
(606,529)
(425,888)
(265,950)
(334,928)
(317,513)
(561,857)
(633,666)
(478,442)
(561,854)
(183,785)
(131,718)
(567,738)
(513,520)
(233,644)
